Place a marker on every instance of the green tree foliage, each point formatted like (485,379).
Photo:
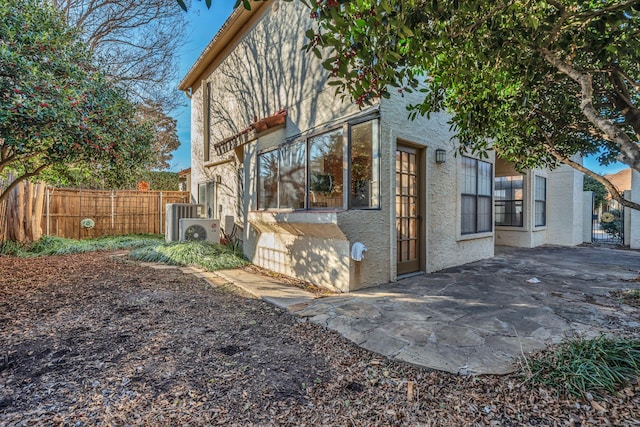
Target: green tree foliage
(165,134)
(56,107)
(599,191)
(537,81)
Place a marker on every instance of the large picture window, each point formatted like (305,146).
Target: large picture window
(508,196)
(476,212)
(313,173)
(540,195)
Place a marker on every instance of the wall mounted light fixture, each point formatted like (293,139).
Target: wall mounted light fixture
(441,155)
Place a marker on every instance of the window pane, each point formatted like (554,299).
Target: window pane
(293,160)
(509,213)
(508,200)
(268,180)
(477,183)
(484,214)
(468,175)
(541,214)
(364,165)
(484,178)
(540,201)
(240,195)
(202,193)
(468,214)
(325,170)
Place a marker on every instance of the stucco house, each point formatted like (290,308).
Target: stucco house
(308,181)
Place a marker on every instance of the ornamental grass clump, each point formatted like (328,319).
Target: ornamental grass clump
(577,367)
(209,256)
(51,245)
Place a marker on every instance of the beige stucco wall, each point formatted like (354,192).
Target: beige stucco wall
(564,206)
(441,187)
(565,209)
(527,236)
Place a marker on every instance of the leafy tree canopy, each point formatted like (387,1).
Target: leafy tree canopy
(56,107)
(599,190)
(537,81)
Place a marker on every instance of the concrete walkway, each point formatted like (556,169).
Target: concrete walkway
(478,318)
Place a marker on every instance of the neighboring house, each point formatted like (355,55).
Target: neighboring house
(303,177)
(622,181)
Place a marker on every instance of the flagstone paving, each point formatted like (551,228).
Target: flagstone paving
(478,318)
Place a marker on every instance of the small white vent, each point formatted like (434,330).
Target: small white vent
(202,230)
(174,213)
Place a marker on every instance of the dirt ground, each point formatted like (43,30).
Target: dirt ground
(94,339)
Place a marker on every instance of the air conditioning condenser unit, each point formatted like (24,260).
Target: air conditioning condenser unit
(174,213)
(203,230)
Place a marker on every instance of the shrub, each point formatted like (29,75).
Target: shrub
(578,366)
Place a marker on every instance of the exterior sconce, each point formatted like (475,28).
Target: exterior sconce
(441,155)
(218,179)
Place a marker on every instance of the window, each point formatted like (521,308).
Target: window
(364,165)
(477,177)
(540,196)
(206,93)
(240,195)
(508,197)
(325,170)
(292,175)
(206,197)
(268,180)
(310,173)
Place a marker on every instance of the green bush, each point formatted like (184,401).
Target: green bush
(577,366)
(615,227)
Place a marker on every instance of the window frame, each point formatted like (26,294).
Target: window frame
(476,197)
(537,201)
(260,188)
(512,201)
(345,128)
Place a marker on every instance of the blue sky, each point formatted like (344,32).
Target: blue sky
(205,23)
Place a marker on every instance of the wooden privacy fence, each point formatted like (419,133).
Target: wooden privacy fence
(114,212)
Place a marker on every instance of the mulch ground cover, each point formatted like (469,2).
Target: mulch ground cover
(94,339)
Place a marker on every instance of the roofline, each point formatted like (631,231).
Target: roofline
(233,28)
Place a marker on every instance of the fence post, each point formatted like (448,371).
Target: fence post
(160,216)
(48,212)
(111,198)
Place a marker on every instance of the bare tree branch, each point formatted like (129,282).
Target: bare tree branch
(629,149)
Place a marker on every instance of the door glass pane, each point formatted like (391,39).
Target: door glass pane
(412,249)
(405,251)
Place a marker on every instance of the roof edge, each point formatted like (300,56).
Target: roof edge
(231,29)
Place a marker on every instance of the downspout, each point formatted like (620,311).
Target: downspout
(188,93)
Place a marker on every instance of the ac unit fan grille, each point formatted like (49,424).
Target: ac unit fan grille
(195,232)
